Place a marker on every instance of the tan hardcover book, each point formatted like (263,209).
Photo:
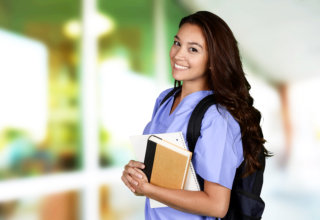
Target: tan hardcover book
(166,164)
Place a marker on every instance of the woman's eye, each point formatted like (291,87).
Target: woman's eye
(192,49)
(176,43)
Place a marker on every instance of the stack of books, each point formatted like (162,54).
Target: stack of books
(167,162)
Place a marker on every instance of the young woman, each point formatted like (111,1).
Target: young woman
(205,60)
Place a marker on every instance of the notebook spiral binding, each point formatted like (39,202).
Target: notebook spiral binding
(193,172)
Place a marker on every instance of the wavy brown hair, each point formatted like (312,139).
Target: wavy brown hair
(231,88)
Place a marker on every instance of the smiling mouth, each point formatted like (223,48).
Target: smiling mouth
(180,67)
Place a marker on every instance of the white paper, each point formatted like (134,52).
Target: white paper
(139,143)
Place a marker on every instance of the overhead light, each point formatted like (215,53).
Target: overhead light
(72,29)
(100,23)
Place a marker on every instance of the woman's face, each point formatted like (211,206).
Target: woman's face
(188,55)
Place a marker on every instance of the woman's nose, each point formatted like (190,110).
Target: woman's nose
(180,55)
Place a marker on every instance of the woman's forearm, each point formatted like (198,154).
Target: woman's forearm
(196,202)
(213,201)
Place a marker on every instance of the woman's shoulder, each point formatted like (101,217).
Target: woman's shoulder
(163,94)
(160,98)
(218,113)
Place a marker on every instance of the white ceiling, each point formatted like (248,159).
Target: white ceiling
(279,40)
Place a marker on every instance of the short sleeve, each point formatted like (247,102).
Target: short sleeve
(156,107)
(218,151)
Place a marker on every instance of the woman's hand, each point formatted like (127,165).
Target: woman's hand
(140,188)
(132,173)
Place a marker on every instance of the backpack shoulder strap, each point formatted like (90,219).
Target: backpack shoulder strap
(171,93)
(194,126)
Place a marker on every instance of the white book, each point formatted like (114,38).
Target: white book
(139,143)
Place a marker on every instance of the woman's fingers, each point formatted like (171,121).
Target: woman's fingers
(129,181)
(133,171)
(126,182)
(143,175)
(136,164)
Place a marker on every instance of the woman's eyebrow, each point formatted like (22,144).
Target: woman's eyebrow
(192,43)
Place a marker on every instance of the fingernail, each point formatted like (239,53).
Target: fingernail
(136,183)
(140,176)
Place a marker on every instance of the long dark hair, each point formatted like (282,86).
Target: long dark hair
(231,88)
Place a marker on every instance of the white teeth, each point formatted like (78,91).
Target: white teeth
(180,67)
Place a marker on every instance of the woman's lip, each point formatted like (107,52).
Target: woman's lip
(180,67)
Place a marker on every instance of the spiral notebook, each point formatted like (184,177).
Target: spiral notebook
(139,143)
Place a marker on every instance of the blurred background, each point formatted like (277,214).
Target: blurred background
(78,77)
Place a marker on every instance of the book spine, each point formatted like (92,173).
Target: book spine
(149,158)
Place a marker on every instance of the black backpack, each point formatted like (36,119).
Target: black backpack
(245,201)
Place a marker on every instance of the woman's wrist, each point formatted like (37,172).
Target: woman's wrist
(147,188)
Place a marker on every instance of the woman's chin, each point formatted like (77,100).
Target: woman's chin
(177,77)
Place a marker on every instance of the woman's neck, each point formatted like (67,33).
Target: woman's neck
(188,88)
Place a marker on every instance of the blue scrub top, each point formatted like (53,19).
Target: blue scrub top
(218,152)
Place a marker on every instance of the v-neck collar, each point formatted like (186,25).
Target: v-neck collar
(189,101)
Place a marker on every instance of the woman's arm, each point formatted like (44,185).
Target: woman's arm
(213,201)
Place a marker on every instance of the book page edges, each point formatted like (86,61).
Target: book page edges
(186,171)
(170,145)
